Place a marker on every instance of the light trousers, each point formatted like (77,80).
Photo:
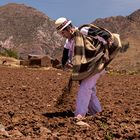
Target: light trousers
(87,101)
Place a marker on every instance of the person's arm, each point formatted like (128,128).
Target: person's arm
(65,56)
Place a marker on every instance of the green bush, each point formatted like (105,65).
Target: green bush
(10,53)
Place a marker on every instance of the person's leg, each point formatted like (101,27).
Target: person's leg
(94,105)
(86,94)
(83,98)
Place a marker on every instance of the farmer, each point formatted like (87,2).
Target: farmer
(85,51)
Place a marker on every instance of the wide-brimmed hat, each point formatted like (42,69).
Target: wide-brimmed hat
(62,23)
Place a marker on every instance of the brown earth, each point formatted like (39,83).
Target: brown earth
(28,108)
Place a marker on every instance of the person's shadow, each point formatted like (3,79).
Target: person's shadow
(63,114)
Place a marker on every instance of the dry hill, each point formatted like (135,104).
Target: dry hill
(27,30)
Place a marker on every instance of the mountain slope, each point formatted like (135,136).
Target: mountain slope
(27,30)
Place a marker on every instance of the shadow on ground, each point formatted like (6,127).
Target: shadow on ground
(63,114)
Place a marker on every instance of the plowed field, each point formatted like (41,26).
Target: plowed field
(28,109)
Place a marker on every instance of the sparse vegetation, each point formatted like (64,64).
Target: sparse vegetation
(9,53)
(109,136)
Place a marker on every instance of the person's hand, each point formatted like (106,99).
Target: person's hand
(110,41)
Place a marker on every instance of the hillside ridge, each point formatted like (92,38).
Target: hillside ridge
(29,31)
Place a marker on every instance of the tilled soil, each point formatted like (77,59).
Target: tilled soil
(29,109)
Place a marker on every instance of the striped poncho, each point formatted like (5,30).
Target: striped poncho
(91,56)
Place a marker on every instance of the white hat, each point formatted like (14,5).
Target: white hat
(62,23)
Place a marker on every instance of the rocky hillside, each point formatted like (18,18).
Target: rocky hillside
(27,30)
(129,29)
